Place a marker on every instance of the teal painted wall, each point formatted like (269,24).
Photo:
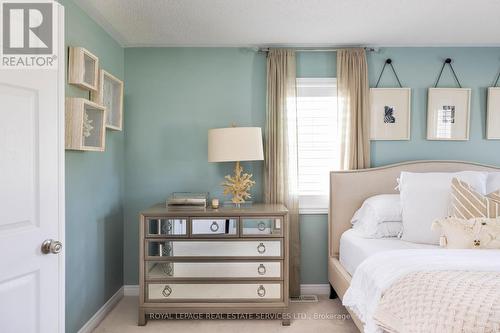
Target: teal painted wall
(316,64)
(94,193)
(175,95)
(314,249)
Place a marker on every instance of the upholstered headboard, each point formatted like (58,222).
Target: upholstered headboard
(348,189)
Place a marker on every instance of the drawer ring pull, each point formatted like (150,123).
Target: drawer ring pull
(166,250)
(261,291)
(168,268)
(261,226)
(214,226)
(166,291)
(261,270)
(261,248)
(165,228)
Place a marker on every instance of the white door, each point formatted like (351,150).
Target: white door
(32,197)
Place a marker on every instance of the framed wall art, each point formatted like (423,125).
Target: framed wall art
(85,125)
(493,122)
(83,68)
(390,113)
(448,114)
(110,95)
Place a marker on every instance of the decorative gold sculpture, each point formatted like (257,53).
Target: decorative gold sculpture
(238,185)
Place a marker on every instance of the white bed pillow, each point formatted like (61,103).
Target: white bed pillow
(493,183)
(379,217)
(426,197)
(387,229)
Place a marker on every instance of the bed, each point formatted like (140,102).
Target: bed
(346,251)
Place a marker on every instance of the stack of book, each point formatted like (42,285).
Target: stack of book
(187,200)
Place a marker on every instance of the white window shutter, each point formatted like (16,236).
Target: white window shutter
(317,133)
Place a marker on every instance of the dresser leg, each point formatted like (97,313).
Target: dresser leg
(142,318)
(285,322)
(333,293)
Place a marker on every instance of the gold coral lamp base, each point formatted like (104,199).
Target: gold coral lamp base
(238,185)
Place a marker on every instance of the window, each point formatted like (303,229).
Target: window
(317,140)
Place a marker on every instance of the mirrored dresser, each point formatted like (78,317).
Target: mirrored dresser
(226,261)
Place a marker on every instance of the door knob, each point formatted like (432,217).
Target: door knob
(51,246)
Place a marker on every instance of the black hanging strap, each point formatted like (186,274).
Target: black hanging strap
(496,82)
(388,61)
(447,61)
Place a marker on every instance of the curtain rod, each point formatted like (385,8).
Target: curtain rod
(367,49)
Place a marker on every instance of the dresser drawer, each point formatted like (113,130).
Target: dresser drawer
(202,248)
(157,227)
(206,292)
(266,226)
(186,270)
(214,227)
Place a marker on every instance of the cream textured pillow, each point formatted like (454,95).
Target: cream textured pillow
(466,203)
(478,233)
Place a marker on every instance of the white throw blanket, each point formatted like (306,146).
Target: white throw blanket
(442,302)
(380,271)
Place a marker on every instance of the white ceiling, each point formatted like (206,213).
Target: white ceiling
(299,22)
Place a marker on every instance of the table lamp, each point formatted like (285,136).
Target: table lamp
(236,144)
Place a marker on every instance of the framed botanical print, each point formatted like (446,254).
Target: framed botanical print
(448,114)
(493,126)
(390,113)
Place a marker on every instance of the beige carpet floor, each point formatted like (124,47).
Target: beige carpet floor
(323,316)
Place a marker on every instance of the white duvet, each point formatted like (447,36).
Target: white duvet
(378,272)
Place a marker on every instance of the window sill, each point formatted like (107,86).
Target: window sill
(313,204)
(313,211)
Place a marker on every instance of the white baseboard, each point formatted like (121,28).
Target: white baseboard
(131,290)
(305,289)
(93,322)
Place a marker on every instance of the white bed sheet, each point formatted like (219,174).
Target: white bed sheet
(354,249)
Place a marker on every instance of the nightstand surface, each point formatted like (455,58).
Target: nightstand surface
(259,209)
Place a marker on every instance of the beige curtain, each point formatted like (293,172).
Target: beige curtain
(353,107)
(280,181)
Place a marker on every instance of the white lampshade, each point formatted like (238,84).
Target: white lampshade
(235,144)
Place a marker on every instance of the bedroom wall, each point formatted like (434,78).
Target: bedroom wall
(174,95)
(418,68)
(94,192)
